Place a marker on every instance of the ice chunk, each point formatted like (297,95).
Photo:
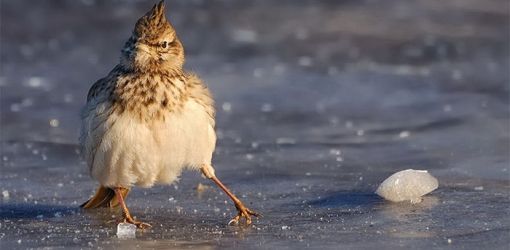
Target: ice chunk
(5,194)
(407,185)
(126,231)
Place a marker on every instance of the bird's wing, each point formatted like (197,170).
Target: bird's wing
(95,114)
(100,85)
(201,94)
(96,87)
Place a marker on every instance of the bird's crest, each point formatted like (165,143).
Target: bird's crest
(153,23)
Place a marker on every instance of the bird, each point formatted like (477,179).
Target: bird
(148,120)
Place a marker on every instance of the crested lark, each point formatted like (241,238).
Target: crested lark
(148,119)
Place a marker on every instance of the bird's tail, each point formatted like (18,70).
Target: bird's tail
(104,197)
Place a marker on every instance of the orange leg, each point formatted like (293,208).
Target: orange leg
(127,215)
(243,211)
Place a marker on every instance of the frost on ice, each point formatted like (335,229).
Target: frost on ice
(126,231)
(407,185)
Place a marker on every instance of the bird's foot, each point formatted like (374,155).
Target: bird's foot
(138,224)
(243,212)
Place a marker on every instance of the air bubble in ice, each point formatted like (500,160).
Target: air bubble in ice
(349,124)
(54,123)
(68,98)
(283,140)
(404,134)
(407,185)
(226,106)
(334,151)
(126,231)
(5,194)
(35,82)
(266,107)
(15,107)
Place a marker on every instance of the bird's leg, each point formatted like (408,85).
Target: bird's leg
(127,215)
(242,210)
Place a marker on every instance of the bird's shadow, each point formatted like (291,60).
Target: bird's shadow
(30,211)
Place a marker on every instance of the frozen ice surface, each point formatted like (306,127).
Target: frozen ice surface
(407,185)
(126,231)
(423,83)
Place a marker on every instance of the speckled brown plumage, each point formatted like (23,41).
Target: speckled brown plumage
(151,90)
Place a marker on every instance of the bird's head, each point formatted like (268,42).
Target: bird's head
(154,45)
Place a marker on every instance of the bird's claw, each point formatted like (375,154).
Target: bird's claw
(243,212)
(138,224)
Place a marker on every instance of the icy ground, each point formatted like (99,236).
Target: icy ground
(318,102)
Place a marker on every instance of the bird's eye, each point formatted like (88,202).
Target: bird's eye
(164,44)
